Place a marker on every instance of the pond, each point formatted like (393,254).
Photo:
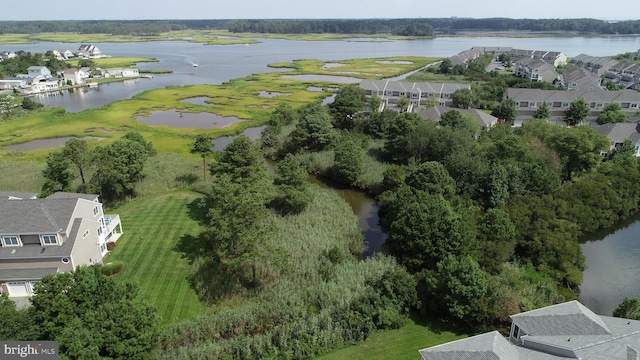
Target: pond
(613,266)
(200,100)
(46,143)
(327,78)
(253,133)
(178,119)
(272,94)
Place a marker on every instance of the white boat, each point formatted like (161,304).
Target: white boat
(195,65)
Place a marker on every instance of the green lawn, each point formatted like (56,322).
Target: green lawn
(400,344)
(152,227)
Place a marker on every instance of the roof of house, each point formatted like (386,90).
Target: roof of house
(567,330)
(617,133)
(14,195)
(600,96)
(35,216)
(488,346)
(406,86)
(570,318)
(25,274)
(580,77)
(436,112)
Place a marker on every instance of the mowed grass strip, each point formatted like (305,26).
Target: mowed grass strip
(152,227)
(400,344)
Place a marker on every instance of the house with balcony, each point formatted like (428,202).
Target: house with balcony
(88,50)
(536,70)
(563,331)
(418,93)
(528,100)
(598,65)
(50,235)
(74,76)
(41,72)
(578,78)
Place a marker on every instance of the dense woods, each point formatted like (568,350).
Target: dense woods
(404,27)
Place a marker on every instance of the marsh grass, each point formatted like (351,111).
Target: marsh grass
(239,98)
(115,62)
(23,176)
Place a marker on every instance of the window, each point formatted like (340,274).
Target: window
(634,105)
(99,230)
(516,332)
(11,240)
(599,105)
(49,240)
(565,104)
(103,248)
(532,104)
(86,233)
(95,211)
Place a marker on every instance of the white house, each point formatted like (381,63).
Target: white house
(10,84)
(74,76)
(46,236)
(39,71)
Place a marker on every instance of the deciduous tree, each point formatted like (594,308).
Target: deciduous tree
(612,113)
(348,162)
(73,307)
(576,112)
(77,152)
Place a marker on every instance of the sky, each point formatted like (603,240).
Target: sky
(306,9)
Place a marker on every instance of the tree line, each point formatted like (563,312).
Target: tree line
(469,211)
(404,27)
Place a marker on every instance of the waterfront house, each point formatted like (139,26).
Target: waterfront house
(74,76)
(8,55)
(88,50)
(567,330)
(11,84)
(45,236)
(419,93)
(121,72)
(41,72)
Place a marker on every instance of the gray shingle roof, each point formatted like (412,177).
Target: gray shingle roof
(567,330)
(488,346)
(35,216)
(25,274)
(14,195)
(69,195)
(569,318)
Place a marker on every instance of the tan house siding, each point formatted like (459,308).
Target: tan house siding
(87,249)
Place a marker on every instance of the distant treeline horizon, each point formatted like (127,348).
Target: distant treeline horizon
(404,27)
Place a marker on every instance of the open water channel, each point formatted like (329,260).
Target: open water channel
(613,259)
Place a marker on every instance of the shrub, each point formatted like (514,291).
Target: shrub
(112,268)
(111,245)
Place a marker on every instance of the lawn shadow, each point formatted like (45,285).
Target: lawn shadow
(197,210)
(192,247)
(438,326)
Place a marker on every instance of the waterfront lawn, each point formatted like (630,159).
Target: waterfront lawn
(399,344)
(152,226)
(115,62)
